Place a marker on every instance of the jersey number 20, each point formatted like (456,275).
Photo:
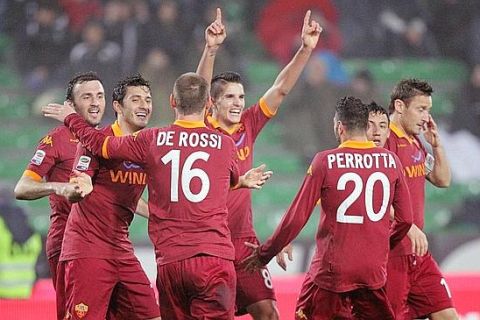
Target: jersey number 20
(186,174)
(359,185)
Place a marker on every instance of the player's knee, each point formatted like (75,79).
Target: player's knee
(264,310)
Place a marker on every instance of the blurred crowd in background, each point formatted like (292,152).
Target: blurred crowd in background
(50,40)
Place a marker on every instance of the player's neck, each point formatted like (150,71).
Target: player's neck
(395,120)
(127,129)
(228,127)
(194,117)
(354,137)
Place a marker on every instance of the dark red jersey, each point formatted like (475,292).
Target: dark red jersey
(53,162)
(190,169)
(98,225)
(412,156)
(355,185)
(244,134)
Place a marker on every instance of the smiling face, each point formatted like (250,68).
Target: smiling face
(89,101)
(414,116)
(136,107)
(229,105)
(378,130)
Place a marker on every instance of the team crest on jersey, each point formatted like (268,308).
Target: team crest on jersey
(83,163)
(300,315)
(417,157)
(243,153)
(81,310)
(38,157)
(47,140)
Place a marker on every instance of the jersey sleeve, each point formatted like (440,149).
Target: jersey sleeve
(132,148)
(44,158)
(403,207)
(234,170)
(297,214)
(257,116)
(85,161)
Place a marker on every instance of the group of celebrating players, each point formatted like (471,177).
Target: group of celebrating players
(371,260)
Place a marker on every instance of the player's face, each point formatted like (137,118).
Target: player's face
(378,128)
(89,101)
(415,116)
(228,107)
(136,107)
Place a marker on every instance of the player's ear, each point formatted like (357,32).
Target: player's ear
(117,107)
(173,104)
(399,106)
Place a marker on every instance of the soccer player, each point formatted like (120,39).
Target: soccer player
(415,286)
(355,184)
(190,169)
(255,294)
(378,124)
(49,171)
(96,247)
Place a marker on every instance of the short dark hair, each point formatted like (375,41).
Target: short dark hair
(375,108)
(120,89)
(352,113)
(190,93)
(406,89)
(221,80)
(80,78)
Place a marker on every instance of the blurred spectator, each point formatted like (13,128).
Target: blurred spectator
(307,118)
(467,111)
(407,30)
(43,46)
(157,68)
(98,54)
(361,30)
(362,86)
(168,31)
(79,12)
(277,26)
(451,20)
(20,247)
(122,28)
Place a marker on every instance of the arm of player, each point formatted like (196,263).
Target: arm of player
(402,205)
(287,251)
(131,148)
(142,208)
(84,186)
(30,188)
(215,34)
(254,178)
(440,176)
(291,224)
(287,78)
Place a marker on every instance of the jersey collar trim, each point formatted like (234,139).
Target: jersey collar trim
(357,144)
(117,131)
(399,132)
(216,125)
(190,124)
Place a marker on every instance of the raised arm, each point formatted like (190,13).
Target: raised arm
(215,34)
(287,78)
(440,176)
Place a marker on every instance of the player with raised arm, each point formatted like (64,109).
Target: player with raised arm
(355,185)
(190,170)
(415,285)
(48,173)
(255,294)
(96,247)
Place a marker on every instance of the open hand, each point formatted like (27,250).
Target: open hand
(288,251)
(57,111)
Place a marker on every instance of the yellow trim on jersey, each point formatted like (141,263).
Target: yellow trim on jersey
(266,110)
(190,124)
(357,144)
(117,131)
(104,148)
(32,174)
(399,132)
